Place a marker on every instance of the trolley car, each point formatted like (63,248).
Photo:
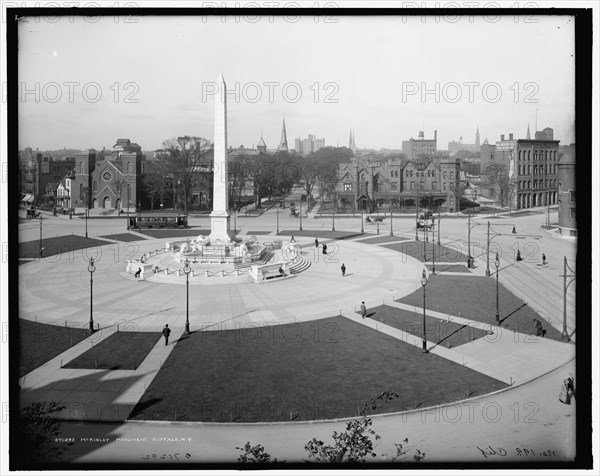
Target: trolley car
(158,221)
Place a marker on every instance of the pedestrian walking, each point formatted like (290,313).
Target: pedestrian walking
(519,256)
(166,332)
(543,258)
(363,310)
(324,249)
(137,273)
(316,242)
(343,270)
(293,240)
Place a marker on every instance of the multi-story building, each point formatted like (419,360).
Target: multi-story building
(309,145)
(369,183)
(413,148)
(520,172)
(457,146)
(567,221)
(37,173)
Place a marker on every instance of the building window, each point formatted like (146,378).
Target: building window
(451,174)
(444,186)
(412,185)
(94,186)
(394,185)
(434,185)
(572,196)
(80,190)
(572,213)
(445,174)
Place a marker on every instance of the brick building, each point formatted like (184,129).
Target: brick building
(567,221)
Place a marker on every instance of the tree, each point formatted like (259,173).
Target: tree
(183,157)
(495,177)
(255,454)
(37,432)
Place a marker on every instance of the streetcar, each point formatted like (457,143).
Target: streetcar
(158,221)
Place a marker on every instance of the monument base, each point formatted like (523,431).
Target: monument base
(219,225)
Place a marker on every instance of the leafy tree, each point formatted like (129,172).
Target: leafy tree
(355,444)
(495,178)
(255,454)
(37,431)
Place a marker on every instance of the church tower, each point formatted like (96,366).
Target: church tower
(477,140)
(262,147)
(283,145)
(351,143)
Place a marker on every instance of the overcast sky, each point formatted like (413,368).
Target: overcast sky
(360,73)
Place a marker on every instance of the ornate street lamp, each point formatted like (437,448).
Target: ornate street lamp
(87,210)
(129,202)
(187,269)
(277,208)
(571,275)
(497,306)
(424,284)
(91,269)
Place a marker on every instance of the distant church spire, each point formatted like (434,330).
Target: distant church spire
(283,145)
(351,143)
(528,133)
(477,140)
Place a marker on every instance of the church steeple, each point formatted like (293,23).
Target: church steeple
(283,145)
(528,133)
(351,143)
(477,140)
(262,147)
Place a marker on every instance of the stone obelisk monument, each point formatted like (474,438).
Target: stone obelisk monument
(219,218)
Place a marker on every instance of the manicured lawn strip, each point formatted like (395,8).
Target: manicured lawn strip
(453,268)
(445,254)
(42,342)
(336,235)
(263,232)
(123,237)
(321,369)
(120,351)
(57,245)
(474,298)
(383,239)
(437,331)
(174,233)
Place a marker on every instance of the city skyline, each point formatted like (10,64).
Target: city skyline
(148,80)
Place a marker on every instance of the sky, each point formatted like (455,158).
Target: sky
(84,82)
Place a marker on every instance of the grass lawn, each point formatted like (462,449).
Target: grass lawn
(263,232)
(475,298)
(322,369)
(336,235)
(443,254)
(122,350)
(123,237)
(42,342)
(383,239)
(437,331)
(452,268)
(175,233)
(57,245)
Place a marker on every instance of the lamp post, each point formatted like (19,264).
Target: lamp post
(424,283)
(300,212)
(41,242)
(439,226)
(565,275)
(333,214)
(87,210)
(391,221)
(487,262)
(277,219)
(129,202)
(433,243)
(417,216)
(497,262)
(91,269)
(187,269)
